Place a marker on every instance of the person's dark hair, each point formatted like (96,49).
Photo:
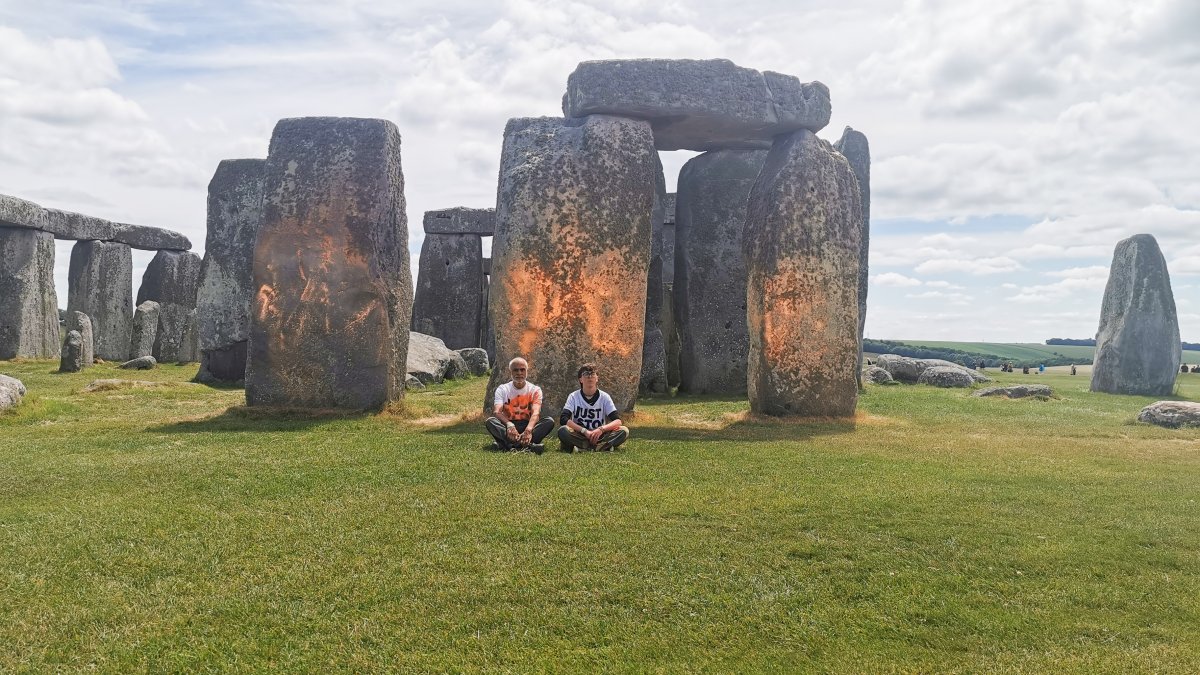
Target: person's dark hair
(586,368)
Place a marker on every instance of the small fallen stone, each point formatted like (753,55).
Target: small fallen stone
(476,360)
(1171,414)
(140,363)
(12,391)
(112,384)
(946,376)
(877,375)
(1017,391)
(412,383)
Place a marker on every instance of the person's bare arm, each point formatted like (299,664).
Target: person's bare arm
(512,428)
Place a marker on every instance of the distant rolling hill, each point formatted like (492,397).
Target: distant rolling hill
(1026,351)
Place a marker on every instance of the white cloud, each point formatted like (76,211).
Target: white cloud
(894,279)
(975,266)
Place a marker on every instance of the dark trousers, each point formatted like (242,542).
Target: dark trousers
(499,431)
(573,440)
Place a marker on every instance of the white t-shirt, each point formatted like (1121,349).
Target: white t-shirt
(589,415)
(518,403)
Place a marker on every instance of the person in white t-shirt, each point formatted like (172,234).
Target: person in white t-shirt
(589,419)
(515,404)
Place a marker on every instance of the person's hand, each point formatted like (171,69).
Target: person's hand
(527,437)
(512,433)
(594,435)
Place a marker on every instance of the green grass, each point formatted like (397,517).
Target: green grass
(169,529)
(1026,351)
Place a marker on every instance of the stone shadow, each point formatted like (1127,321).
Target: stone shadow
(241,418)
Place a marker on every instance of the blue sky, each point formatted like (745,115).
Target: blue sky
(1014,143)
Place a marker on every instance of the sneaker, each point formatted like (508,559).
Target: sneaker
(496,447)
(607,441)
(537,448)
(563,447)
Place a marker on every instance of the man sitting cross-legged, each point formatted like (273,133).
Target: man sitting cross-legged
(516,403)
(589,420)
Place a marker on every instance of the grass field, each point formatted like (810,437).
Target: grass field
(1031,351)
(166,528)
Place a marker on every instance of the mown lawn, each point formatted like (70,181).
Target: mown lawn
(167,529)
(1029,351)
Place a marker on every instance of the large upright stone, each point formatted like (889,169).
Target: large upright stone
(330,317)
(235,196)
(571,252)
(28,301)
(449,295)
(698,105)
(1137,345)
(171,280)
(854,147)
(460,220)
(654,346)
(145,329)
(81,323)
(802,241)
(100,284)
(72,353)
(710,273)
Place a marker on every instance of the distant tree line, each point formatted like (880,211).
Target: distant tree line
(1091,342)
(969,359)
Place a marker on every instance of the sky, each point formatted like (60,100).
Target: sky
(1013,144)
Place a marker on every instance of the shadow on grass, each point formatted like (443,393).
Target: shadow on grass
(747,430)
(241,418)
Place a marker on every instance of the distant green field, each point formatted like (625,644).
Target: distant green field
(1025,350)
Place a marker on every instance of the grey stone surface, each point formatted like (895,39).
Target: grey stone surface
(235,196)
(189,342)
(140,363)
(487,266)
(1137,345)
(460,220)
(1017,391)
(668,239)
(571,252)
(654,344)
(854,147)
(15,212)
(907,369)
(449,291)
(802,242)
(78,321)
(330,320)
(1171,414)
(11,392)
(145,329)
(71,360)
(476,360)
(171,280)
(431,361)
(671,335)
(28,301)
(710,270)
(100,284)
(877,375)
(698,104)
(411,382)
(945,376)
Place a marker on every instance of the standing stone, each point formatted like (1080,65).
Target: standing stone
(654,346)
(1137,346)
(171,280)
(145,329)
(189,344)
(802,246)
(28,301)
(449,295)
(571,252)
(330,318)
(100,284)
(78,321)
(710,273)
(235,197)
(854,147)
(72,353)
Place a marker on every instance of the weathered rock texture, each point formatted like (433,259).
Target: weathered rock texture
(22,213)
(1171,414)
(145,329)
(100,284)
(668,238)
(431,361)
(907,369)
(140,363)
(476,360)
(72,353)
(460,220)
(79,322)
(654,344)
(698,105)
(945,376)
(28,302)
(449,293)
(571,252)
(802,242)
(12,391)
(1137,346)
(877,375)
(854,147)
(235,196)
(1017,391)
(171,280)
(189,342)
(710,270)
(331,313)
